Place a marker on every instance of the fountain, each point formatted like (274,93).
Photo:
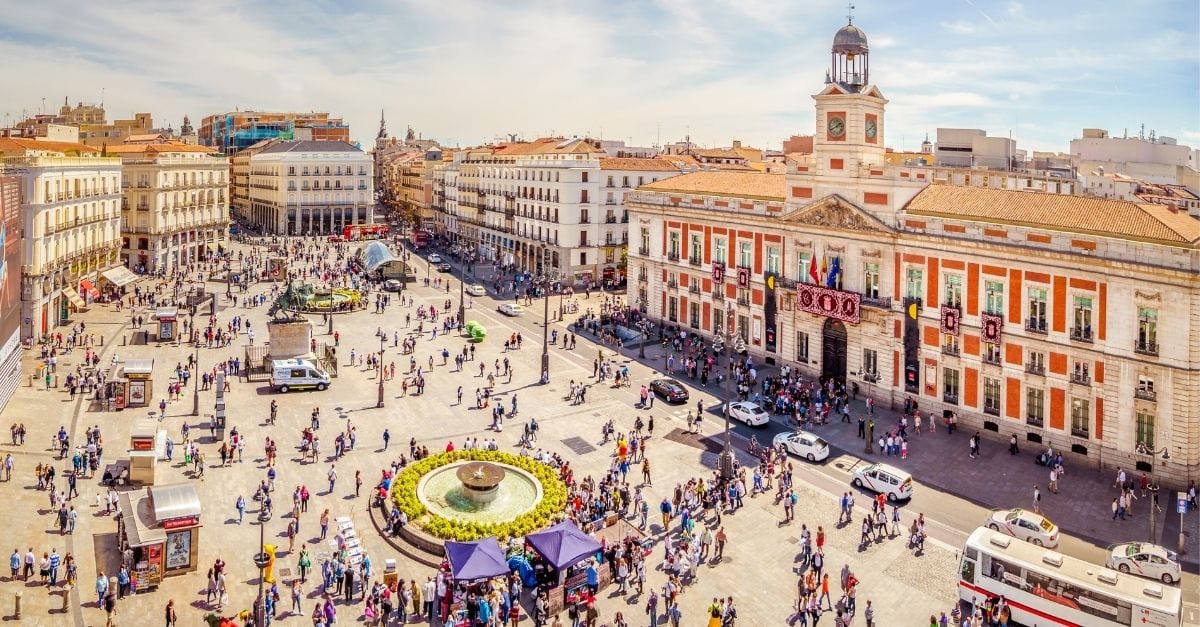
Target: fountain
(481,480)
(479,491)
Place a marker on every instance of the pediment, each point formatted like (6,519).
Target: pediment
(832,89)
(835,212)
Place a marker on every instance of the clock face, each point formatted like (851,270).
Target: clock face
(837,126)
(871,129)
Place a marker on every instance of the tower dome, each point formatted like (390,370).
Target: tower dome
(850,39)
(849,67)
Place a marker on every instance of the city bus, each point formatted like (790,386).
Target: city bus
(1044,587)
(355,232)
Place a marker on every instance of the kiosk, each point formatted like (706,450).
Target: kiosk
(147,443)
(139,382)
(158,531)
(168,323)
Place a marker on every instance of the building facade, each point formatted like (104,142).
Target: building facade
(10,287)
(70,213)
(234,131)
(310,187)
(1029,313)
(175,206)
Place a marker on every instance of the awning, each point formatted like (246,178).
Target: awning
(140,527)
(174,501)
(474,561)
(75,299)
(86,287)
(563,544)
(120,276)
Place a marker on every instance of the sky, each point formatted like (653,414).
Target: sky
(645,71)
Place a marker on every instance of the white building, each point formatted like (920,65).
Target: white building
(971,147)
(70,206)
(175,204)
(302,187)
(1153,159)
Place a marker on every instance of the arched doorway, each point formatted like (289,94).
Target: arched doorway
(833,350)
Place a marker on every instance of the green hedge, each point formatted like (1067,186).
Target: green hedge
(551,509)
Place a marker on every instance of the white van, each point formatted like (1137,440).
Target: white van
(890,481)
(288,374)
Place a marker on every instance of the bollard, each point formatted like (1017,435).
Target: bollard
(66,599)
(123,339)
(56,381)
(17,604)
(102,340)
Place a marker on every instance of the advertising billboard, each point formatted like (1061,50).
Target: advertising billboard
(10,286)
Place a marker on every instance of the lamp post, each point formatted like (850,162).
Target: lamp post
(642,344)
(261,559)
(382,341)
(462,280)
(737,345)
(195,363)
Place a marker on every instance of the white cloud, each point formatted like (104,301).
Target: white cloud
(961,27)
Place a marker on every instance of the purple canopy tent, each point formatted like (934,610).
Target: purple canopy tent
(563,544)
(473,561)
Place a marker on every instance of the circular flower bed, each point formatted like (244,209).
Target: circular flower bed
(548,511)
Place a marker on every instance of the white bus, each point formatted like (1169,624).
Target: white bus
(1046,588)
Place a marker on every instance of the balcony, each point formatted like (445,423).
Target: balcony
(743,301)
(1036,325)
(610,219)
(1145,394)
(718,294)
(1082,334)
(950,349)
(950,398)
(643,276)
(672,284)
(644,251)
(991,411)
(1143,347)
(1080,378)
(693,289)
(1080,433)
(673,256)
(877,302)
(1036,421)
(1035,368)
(695,261)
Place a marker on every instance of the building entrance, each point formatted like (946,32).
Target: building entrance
(833,350)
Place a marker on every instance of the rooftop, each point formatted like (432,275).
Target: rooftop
(20,147)
(305,145)
(159,148)
(740,184)
(647,164)
(1104,217)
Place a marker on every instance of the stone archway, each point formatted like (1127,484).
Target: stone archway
(833,350)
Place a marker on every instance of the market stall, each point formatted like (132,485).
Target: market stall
(147,443)
(476,561)
(158,531)
(139,382)
(562,555)
(168,323)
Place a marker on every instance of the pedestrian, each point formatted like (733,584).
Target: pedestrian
(1012,445)
(241,508)
(1053,487)
(170,616)
(1037,500)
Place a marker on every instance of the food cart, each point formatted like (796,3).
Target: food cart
(139,382)
(168,323)
(158,531)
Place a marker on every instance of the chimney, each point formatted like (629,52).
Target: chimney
(737,143)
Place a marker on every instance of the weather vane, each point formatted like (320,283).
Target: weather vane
(850,12)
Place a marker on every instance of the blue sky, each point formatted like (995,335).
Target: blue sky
(465,72)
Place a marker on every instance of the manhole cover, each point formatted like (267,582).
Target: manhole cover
(578,445)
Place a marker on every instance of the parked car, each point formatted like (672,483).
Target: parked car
(475,289)
(1144,560)
(883,479)
(1024,525)
(510,309)
(392,285)
(435,258)
(444,267)
(669,390)
(749,413)
(803,444)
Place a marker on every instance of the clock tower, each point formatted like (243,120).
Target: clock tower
(849,133)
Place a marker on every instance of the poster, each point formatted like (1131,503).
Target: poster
(179,549)
(137,393)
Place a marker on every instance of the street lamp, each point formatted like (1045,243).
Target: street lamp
(261,560)
(547,280)
(195,362)
(382,341)
(738,345)
(645,337)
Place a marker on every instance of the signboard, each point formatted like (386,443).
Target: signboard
(950,319)
(186,521)
(142,444)
(179,549)
(828,302)
(1181,504)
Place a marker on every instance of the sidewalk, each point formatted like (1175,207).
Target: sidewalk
(996,479)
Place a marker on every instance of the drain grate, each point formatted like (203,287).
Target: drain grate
(578,445)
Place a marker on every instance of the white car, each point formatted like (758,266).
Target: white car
(435,258)
(475,289)
(803,444)
(890,481)
(511,309)
(1024,525)
(1145,560)
(748,413)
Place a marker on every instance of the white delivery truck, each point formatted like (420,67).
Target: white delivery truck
(297,374)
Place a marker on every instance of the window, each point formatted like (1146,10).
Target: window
(673,245)
(697,249)
(641,180)
(645,240)
(624,181)
(610,181)
(718,320)
(694,315)
(803,262)
(1035,362)
(745,254)
(743,329)
(870,362)
(291,170)
(995,297)
(914,283)
(950,385)
(991,396)
(672,309)
(871,280)
(802,347)
(720,253)
(1080,417)
(583,195)
(1145,389)
(991,353)
(1147,337)
(1081,328)
(1037,310)
(950,344)
(583,259)
(585,179)
(952,290)
(773,259)
(1035,401)
(1145,429)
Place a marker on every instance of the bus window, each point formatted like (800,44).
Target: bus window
(968,570)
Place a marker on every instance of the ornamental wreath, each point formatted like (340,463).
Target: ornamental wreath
(550,510)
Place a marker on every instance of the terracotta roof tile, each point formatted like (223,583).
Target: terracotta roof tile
(632,163)
(749,184)
(1059,212)
(20,145)
(126,149)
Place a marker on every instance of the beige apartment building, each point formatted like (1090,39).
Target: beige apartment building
(174,208)
(70,212)
(309,187)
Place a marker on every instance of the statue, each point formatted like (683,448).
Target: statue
(288,303)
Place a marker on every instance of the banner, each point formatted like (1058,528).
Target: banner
(718,272)
(991,328)
(951,316)
(827,302)
(743,277)
(770,308)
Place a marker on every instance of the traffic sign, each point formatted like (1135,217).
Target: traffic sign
(1181,504)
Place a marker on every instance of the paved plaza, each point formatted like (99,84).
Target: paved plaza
(759,568)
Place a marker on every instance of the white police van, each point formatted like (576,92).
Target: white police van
(298,374)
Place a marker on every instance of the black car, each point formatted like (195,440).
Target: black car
(444,267)
(669,390)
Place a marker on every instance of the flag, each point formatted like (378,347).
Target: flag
(831,280)
(812,271)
